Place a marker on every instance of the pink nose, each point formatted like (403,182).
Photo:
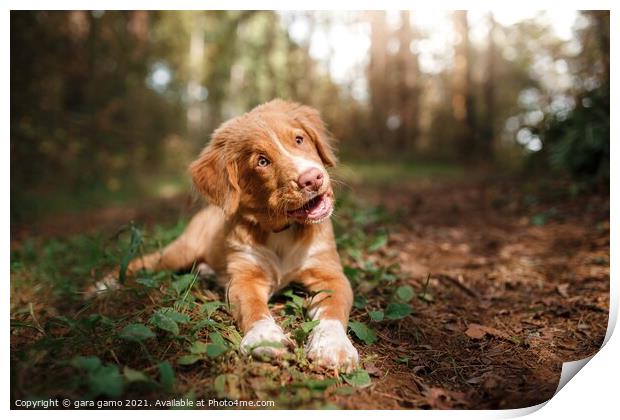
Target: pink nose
(311,180)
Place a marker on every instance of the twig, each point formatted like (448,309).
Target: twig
(458,284)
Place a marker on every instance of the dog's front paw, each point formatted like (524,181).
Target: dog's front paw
(265,339)
(108,282)
(330,347)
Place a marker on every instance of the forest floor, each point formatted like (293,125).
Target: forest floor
(470,293)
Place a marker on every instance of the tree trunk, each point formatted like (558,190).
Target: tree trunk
(462,97)
(377,80)
(488,133)
(407,89)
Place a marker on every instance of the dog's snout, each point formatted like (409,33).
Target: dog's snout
(311,180)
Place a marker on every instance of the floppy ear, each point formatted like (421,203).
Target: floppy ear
(216,178)
(311,121)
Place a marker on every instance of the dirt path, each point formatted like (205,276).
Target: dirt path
(510,301)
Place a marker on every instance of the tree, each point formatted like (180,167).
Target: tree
(407,87)
(487,138)
(462,93)
(377,76)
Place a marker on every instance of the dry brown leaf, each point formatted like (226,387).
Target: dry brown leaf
(475,331)
(563,290)
(442,398)
(372,369)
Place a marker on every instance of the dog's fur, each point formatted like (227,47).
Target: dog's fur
(254,239)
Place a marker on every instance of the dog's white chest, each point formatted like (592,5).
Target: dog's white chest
(284,254)
(288,254)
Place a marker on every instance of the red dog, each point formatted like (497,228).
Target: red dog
(268,225)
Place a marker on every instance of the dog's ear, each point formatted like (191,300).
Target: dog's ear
(216,177)
(311,121)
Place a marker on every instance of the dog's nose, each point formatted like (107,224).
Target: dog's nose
(311,180)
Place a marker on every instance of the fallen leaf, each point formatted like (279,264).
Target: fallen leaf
(563,289)
(442,398)
(475,331)
(372,369)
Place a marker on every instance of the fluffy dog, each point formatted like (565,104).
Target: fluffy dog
(268,224)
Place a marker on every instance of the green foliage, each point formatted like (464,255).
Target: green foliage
(163,321)
(134,245)
(132,375)
(578,143)
(396,311)
(405,293)
(358,379)
(101,379)
(136,332)
(363,332)
(376,316)
(166,375)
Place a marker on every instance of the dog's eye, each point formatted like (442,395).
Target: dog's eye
(299,139)
(263,161)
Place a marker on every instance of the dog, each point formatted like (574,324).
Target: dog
(268,224)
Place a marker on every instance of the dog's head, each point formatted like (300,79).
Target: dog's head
(270,165)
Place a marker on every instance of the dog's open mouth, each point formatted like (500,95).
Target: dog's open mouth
(315,210)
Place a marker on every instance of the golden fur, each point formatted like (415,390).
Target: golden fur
(250,234)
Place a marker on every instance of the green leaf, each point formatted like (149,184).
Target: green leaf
(211,307)
(363,332)
(396,311)
(166,375)
(379,242)
(539,219)
(217,338)
(183,283)
(219,384)
(106,380)
(136,332)
(232,335)
(148,282)
(317,384)
(352,273)
(132,375)
(376,316)
(405,293)
(189,359)
(359,301)
(296,300)
(203,323)
(88,363)
(151,280)
(359,379)
(132,250)
(198,347)
(162,321)
(175,315)
(216,349)
(309,325)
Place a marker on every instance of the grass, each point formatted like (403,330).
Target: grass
(170,334)
(394,172)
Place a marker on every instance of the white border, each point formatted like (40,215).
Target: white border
(593,393)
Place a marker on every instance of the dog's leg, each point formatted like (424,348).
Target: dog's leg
(192,246)
(176,256)
(328,344)
(248,293)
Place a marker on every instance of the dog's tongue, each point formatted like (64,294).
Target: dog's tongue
(315,209)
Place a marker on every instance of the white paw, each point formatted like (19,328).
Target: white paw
(265,338)
(109,282)
(203,270)
(330,347)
